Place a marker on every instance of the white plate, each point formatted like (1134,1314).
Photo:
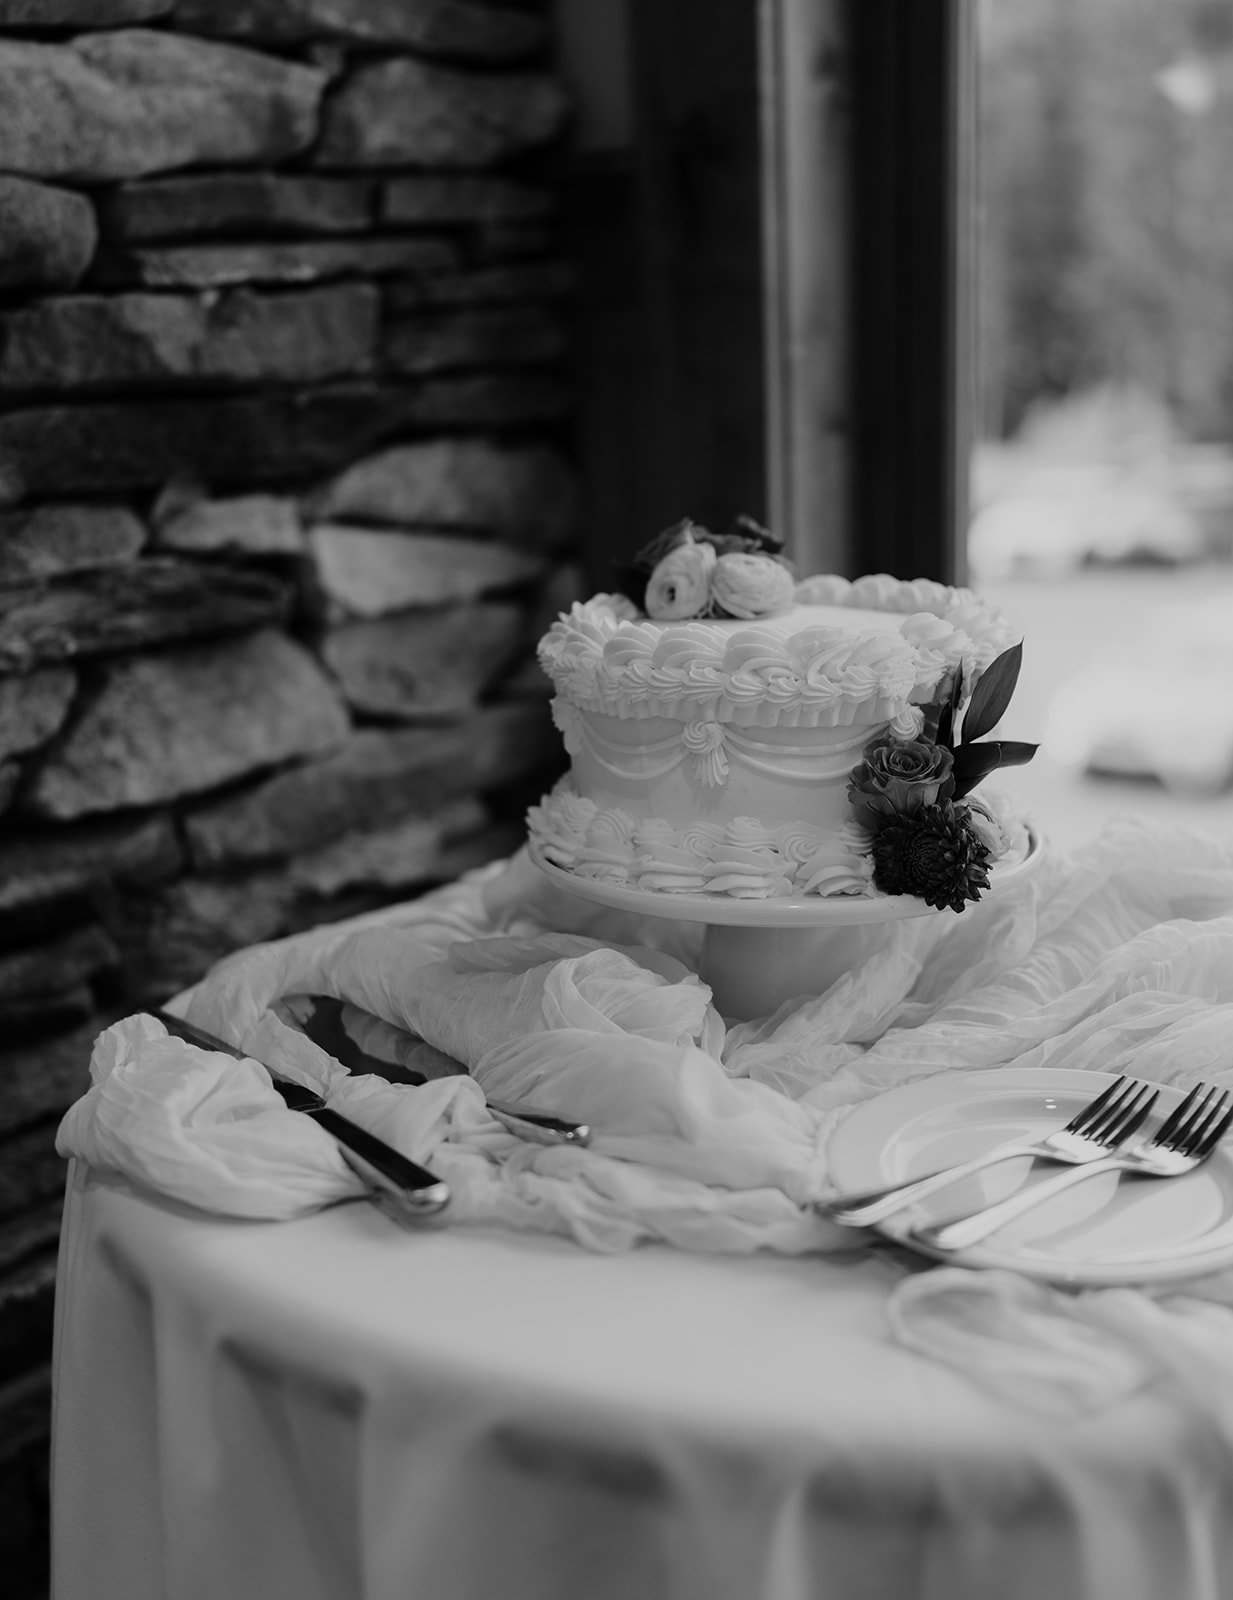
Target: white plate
(798,911)
(1108,1229)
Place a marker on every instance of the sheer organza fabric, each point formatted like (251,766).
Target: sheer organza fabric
(706,1136)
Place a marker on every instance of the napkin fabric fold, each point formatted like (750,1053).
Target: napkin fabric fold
(706,1136)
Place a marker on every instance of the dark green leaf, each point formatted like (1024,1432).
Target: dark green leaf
(763,539)
(976,761)
(972,763)
(992,693)
(1014,753)
(649,557)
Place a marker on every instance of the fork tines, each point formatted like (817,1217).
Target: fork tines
(1196,1125)
(1116,1113)
(1091,1111)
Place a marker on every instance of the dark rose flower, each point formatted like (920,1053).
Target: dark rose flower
(932,853)
(899,776)
(725,544)
(755,536)
(745,536)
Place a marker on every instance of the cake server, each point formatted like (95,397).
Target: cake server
(399,1183)
(364,1043)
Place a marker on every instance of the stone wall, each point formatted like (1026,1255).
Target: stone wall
(284,503)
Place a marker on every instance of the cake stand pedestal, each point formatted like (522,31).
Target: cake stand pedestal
(758,953)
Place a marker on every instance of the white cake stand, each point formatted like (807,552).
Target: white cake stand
(758,953)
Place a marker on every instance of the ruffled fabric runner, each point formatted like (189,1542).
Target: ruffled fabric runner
(705,1136)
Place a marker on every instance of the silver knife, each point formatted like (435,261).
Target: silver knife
(364,1043)
(400,1183)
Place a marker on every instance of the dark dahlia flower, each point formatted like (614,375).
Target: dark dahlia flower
(933,853)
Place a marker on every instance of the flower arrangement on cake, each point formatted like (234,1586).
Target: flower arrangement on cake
(735,732)
(927,835)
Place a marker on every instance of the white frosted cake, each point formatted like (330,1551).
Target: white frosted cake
(803,747)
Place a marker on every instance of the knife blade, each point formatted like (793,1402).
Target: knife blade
(392,1177)
(365,1043)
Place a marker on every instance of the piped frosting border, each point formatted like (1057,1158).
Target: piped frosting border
(742,858)
(604,656)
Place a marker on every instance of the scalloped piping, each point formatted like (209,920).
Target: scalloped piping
(713,746)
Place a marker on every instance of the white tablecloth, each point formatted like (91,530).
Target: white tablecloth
(333,1407)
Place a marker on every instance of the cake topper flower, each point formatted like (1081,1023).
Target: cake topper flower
(680,583)
(689,571)
(745,584)
(926,838)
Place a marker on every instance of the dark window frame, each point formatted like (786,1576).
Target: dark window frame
(775,301)
(912,251)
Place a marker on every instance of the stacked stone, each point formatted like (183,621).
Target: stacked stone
(282,502)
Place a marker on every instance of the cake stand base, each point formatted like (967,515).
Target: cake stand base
(758,953)
(752,971)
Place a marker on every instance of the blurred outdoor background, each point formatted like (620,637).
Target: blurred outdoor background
(1102,483)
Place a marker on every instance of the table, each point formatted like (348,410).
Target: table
(334,1408)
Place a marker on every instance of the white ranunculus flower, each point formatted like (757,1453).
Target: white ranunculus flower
(680,585)
(749,585)
(988,827)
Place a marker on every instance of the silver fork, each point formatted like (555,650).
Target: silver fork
(1182,1142)
(1090,1134)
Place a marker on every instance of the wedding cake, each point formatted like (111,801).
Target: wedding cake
(732,731)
